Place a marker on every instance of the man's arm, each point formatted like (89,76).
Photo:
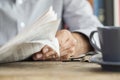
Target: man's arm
(78,16)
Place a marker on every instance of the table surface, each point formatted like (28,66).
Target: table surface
(55,71)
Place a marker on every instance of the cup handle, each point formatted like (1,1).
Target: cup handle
(93,44)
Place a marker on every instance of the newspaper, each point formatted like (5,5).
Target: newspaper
(32,39)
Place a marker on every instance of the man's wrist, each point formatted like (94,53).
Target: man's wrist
(83,45)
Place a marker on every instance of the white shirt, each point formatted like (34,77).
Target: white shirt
(17,14)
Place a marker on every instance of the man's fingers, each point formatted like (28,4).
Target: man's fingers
(48,56)
(68,51)
(66,57)
(38,56)
(51,53)
(46,49)
(67,54)
(51,56)
(46,53)
(68,44)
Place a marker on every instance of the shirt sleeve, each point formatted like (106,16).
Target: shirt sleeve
(78,16)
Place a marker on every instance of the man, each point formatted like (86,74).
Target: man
(76,15)
(79,18)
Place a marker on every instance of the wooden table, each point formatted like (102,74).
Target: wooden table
(55,71)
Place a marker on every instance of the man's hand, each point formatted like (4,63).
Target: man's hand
(67,47)
(67,44)
(46,53)
(71,44)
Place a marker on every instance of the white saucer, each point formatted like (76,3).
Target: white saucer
(98,59)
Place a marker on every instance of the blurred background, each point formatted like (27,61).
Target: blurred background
(108,11)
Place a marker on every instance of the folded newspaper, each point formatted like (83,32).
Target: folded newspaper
(32,39)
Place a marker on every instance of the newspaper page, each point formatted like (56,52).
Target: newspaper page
(32,39)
